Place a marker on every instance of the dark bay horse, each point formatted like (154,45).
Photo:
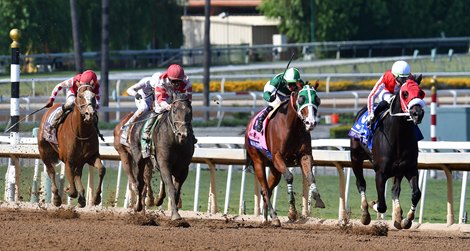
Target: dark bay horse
(289,142)
(394,153)
(171,155)
(77,145)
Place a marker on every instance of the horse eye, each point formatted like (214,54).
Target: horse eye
(317,100)
(405,94)
(301,100)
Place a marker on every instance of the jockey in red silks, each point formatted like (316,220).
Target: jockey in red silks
(385,88)
(172,81)
(88,77)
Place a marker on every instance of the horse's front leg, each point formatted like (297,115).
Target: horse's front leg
(380,179)
(397,212)
(307,162)
(282,168)
(98,164)
(56,199)
(149,200)
(415,197)
(167,178)
(356,164)
(70,175)
(80,189)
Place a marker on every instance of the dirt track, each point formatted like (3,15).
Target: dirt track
(105,229)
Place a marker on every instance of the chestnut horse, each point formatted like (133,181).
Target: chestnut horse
(173,149)
(77,145)
(288,141)
(394,153)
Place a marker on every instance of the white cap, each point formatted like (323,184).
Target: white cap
(401,69)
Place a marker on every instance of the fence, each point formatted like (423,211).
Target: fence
(453,156)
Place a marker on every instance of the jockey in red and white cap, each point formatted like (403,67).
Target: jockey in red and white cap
(387,85)
(72,84)
(171,81)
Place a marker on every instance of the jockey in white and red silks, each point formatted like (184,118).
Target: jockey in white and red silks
(88,77)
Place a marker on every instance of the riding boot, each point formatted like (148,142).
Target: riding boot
(259,123)
(147,136)
(56,120)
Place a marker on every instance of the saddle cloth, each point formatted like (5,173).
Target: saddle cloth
(258,139)
(51,137)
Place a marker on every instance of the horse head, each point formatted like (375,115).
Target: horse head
(307,101)
(180,117)
(86,103)
(411,100)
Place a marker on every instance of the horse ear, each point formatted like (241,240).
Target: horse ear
(418,78)
(315,86)
(317,100)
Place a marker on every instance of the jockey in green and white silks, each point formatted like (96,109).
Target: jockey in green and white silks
(277,90)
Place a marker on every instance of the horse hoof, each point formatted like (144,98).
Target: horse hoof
(138,207)
(159,201)
(365,219)
(406,224)
(81,202)
(175,216)
(293,216)
(276,222)
(319,203)
(97,200)
(57,201)
(397,224)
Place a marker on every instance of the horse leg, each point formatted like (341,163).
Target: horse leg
(397,212)
(161,194)
(80,188)
(56,199)
(168,180)
(70,174)
(380,206)
(140,188)
(281,167)
(415,197)
(356,164)
(273,180)
(101,172)
(306,163)
(261,175)
(150,200)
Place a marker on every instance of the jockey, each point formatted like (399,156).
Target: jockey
(277,90)
(172,81)
(385,87)
(143,92)
(88,77)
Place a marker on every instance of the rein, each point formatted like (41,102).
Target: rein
(399,114)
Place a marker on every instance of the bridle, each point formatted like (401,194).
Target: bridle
(176,125)
(81,107)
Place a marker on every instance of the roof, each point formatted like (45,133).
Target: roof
(239,3)
(240,20)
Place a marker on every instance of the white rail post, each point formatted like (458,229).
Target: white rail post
(462,197)
(242,208)
(118,182)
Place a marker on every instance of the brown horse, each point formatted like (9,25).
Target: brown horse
(171,155)
(288,144)
(394,153)
(77,144)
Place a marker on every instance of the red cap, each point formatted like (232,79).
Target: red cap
(88,77)
(175,72)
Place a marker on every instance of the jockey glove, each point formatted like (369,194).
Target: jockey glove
(138,96)
(50,103)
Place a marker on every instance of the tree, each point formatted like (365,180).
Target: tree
(76,36)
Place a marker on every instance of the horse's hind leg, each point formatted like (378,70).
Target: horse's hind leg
(56,199)
(273,180)
(415,197)
(356,164)
(397,211)
(161,194)
(149,200)
(261,175)
(101,172)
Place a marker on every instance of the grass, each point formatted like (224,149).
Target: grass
(435,201)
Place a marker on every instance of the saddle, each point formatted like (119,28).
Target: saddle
(52,137)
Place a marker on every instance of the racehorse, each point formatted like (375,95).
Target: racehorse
(77,144)
(288,144)
(171,155)
(394,153)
